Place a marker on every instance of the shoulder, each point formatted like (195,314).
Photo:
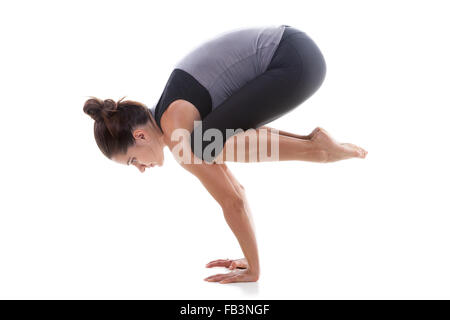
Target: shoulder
(180,114)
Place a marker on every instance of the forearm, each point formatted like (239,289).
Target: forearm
(239,220)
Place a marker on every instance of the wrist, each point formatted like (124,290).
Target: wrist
(253,266)
(253,273)
(253,270)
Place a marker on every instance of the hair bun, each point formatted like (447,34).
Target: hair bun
(98,109)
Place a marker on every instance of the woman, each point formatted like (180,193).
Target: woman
(242,79)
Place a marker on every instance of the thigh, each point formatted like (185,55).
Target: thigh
(296,71)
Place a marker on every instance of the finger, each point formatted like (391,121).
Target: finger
(215,277)
(219,260)
(236,278)
(237,265)
(242,265)
(218,263)
(218,277)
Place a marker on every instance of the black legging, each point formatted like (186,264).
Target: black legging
(295,72)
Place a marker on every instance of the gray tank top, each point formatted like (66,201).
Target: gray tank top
(226,62)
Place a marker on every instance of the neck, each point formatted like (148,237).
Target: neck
(158,134)
(156,129)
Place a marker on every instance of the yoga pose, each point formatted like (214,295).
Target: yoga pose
(230,86)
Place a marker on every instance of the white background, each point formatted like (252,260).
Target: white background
(74,225)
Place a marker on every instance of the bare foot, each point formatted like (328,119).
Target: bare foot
(336,151)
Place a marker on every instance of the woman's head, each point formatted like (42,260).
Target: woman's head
(126,132)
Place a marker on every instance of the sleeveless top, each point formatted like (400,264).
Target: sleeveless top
(214,70)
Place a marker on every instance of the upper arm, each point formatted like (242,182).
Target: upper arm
(216,180)
(214,176)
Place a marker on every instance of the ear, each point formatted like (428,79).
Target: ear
(139,135)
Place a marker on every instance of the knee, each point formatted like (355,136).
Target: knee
(204,149)
(241,190)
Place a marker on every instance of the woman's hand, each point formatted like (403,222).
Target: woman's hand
(228,263)
(239,275)
(241,271)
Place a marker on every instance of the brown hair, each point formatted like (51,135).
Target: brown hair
(114,122)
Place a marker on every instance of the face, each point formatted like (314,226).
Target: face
(147,152)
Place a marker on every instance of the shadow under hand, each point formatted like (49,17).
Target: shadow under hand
(246,287)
